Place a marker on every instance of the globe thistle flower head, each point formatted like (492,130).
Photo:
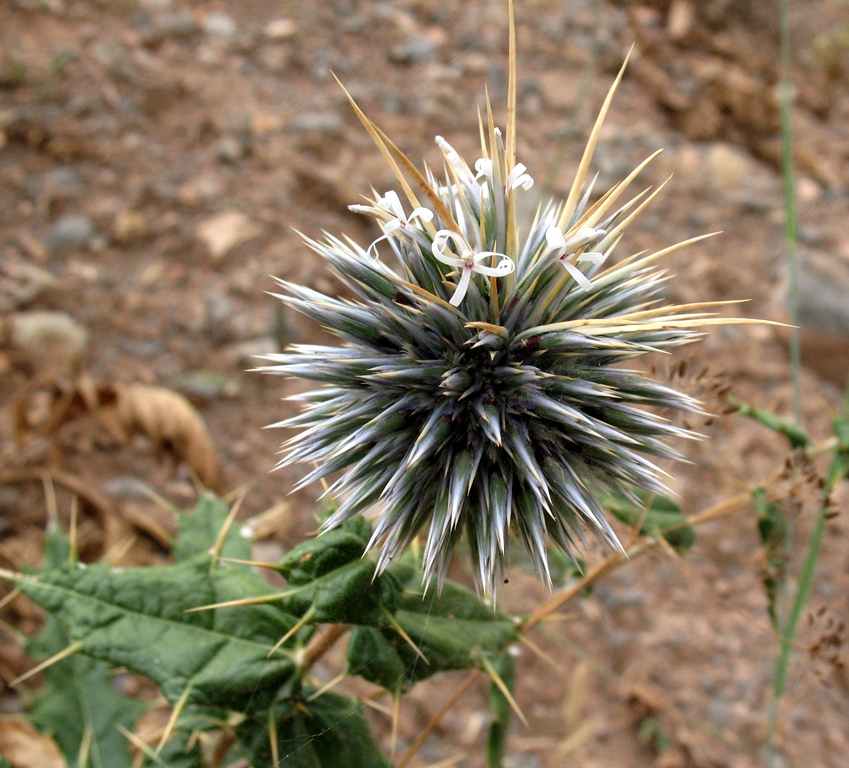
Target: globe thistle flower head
(478,388)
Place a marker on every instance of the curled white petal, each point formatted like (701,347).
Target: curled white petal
(391,203)
(462,287)
(468,261)
(554,238)
(483,166)
(518,178)
(440,241)
(372,249)
(564,249)
(423,214)
(504,267)
(580,278)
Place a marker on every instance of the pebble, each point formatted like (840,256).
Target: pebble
(219,24)
(322,123)
(720,714)
(230,149)
(69,232)
(147,349)
(48,340)
(413,50)
(64,178)
(280,29)
(173,26)
(155,5)
(823,288)
(202,189)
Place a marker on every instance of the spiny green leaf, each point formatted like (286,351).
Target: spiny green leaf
(198,532)
(318,557)
(332,582)
(663,515)
(452,630)
(327,732)
(79,703)
(139,618)
(182,750)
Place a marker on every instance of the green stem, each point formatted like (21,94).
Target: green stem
(790,217)
(836,472)
(790,234)
(802,592)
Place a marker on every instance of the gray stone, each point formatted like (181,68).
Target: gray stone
(71,231)
(230,149)
(149,349)
(823,291)
(219,24)
(720,714)
(323,123)
(413,50)
(63,177)
(173,26)
(48,340)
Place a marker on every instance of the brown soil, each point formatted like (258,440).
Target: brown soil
(148,119)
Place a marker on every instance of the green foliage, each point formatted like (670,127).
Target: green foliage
(657,514)
(141,618)
(795,435)
(772,529)
(79,704)
(332,583)
(198,532)
(502,712)
(211,660)
(324,732)
(450,630)
(182,750)
(839,468)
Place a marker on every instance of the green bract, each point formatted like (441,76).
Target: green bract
(478,386)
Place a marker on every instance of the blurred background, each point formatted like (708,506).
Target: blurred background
(156,157)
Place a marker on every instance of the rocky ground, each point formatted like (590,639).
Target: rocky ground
(156,157)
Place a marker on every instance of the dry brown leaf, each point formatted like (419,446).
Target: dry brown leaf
(25,747)
(166,418)
(163,416)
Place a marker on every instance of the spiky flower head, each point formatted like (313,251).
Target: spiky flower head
(478,386)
